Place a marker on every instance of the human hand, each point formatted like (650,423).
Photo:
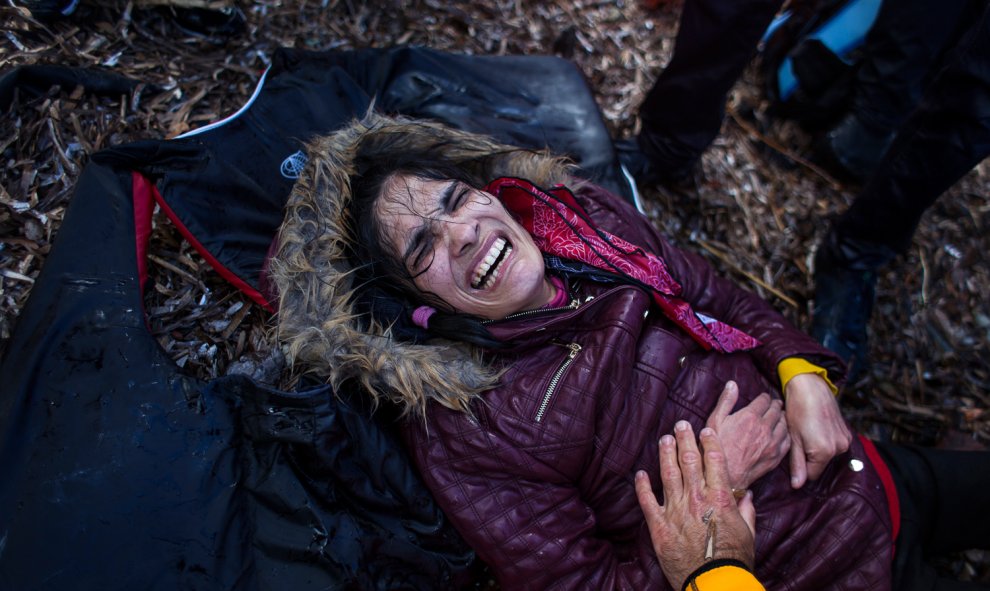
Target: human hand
(818,432)
(699,520)
(754,438)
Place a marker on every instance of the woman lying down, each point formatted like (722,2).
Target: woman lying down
(542,336)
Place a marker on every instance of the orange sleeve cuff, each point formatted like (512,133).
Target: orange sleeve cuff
(792,366)
(725,578)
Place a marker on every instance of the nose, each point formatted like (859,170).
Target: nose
(462,234)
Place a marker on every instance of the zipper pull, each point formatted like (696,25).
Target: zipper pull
(574,347)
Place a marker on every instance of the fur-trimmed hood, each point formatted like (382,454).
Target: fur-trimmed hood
(319,319)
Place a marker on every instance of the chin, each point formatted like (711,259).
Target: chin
(530,292)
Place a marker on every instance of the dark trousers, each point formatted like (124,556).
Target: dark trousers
(945,508)
(902,51)
(944,138)
(683,112)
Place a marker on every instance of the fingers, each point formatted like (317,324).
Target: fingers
(748,511)
(815,466)
(845,437)
(760,405)
(779,431)
(783,437)
(778,416)
(670,471)
(726,402)
(716,468)
(799,471)
(647,500)
(818,460)
(775,408)
(689,458)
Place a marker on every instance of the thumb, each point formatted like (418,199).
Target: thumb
(647,500)
(799,469)
(748,511)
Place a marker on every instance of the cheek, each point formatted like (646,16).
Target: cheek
(436,280)
(533,257)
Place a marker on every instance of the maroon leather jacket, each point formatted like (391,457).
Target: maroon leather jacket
(540,479)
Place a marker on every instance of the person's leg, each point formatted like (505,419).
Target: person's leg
(908,40)
(944,509)
(900,53)
(846,272)
(943,139)
(683,111)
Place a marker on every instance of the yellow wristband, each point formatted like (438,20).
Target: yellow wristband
(725,578)
(792,366)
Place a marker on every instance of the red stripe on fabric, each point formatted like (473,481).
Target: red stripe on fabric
(893,502)
(144,206)
(224,272)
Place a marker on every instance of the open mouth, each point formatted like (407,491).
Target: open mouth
(487,272)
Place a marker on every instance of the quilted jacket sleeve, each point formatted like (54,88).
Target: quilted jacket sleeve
(712,294)
(535,531)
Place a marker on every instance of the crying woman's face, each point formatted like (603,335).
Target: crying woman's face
(460,244)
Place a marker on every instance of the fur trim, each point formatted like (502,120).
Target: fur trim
(317,318)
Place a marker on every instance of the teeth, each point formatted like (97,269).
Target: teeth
(493,255)
(491,279)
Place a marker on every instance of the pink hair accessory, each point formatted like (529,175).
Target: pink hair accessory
(421,316)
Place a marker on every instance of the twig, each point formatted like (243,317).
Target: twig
(235,322)
(782,150)
(735,267)
(56,140)
(916,410)
(15,275)
(176,269)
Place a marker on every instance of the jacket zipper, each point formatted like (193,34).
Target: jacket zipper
(573,305)
(574,350)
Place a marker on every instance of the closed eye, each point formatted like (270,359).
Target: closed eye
(458,198)
(420,244)
(419,255)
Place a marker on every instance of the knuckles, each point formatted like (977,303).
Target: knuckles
(690,457)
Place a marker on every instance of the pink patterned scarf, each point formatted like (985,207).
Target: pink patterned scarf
(561,228)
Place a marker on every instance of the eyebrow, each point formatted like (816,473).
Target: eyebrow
(417,236)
